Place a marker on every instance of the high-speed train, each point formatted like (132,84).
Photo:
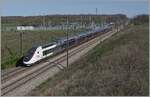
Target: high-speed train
(37,53)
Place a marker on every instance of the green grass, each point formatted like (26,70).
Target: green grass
(10,63)
(11,43)
(118,67)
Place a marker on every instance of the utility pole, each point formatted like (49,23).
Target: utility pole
(21,43)
(96,16)
(96,11)
(67,42)
(105,17)
(44,22)
(81,22)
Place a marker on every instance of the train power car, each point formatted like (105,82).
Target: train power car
(37,53)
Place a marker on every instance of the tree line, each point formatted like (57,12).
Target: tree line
(140,19)
(59,19)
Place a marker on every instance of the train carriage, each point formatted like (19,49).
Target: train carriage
(40,52)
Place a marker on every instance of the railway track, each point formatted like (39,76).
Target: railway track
(10,71)
(26,78)
(11,74)
(36,73)
(8,87)
(17,71)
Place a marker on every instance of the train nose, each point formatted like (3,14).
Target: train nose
(26,59)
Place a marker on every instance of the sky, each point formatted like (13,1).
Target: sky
(48,7)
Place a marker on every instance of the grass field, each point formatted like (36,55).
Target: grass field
(119,67)
(11,43)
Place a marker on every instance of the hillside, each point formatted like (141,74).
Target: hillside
(118,66)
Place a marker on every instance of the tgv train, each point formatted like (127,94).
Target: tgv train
(37,53)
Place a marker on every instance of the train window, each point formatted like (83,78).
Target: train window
(30,53)
(48,51)
(32,50)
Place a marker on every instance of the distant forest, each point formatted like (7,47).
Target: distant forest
(140,19)
(59,19)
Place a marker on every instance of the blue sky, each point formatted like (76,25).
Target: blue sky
(46,7)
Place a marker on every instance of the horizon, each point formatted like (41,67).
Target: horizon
(75,15)
(83,7)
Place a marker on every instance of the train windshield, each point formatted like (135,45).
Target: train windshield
(32,50)
(30,54)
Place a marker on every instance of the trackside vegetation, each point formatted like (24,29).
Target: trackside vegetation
(119,66)
(11,43)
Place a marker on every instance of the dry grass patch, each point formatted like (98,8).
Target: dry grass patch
(117,67)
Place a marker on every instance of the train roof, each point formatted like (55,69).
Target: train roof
(60,40)
(99,29)
(49,44)
(65,38)
(82,33)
